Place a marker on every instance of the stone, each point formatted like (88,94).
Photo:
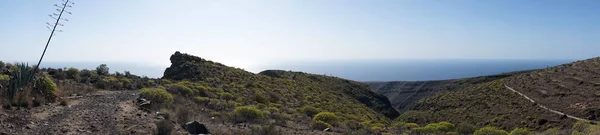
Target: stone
(195,127)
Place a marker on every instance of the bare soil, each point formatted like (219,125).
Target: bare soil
(103,112)
(108,113)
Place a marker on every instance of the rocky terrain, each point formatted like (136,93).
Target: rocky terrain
(102,112)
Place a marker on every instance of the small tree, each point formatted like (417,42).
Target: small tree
(73,73)
(102,69)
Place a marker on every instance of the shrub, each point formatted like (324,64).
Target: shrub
(265,130)
(580,126)
(183,115)
(150,82)
(446,126)
(159,96)
(452,133)
(4,78)
(226,95)
(164,127)
(310,111)
(464,128)
(102,69)
(593,129)
(328,117)
(180,88)
(415,116)
(203,100)
(520,131)
(412,125)
(247,113)
(73,73)
(425,130)
(320,125)
(490,131)
(552,131)
(399,125)
(48,88)
(126,83)
(376,128)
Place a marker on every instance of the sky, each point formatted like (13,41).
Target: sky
(251,34)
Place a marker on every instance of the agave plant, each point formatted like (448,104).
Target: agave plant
(21,76)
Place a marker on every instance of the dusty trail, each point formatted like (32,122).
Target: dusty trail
(551,110)
(102,113)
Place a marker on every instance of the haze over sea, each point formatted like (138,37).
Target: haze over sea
(372,70)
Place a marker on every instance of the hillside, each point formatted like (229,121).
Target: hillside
(572,88)
(227,100)
(404,94)
(286,96)
(486,104)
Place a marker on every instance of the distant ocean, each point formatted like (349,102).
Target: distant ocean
(413,70)
(401,70)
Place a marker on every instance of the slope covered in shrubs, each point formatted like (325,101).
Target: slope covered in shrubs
(487,104)
(287,97)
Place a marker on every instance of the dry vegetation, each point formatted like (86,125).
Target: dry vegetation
(572,88)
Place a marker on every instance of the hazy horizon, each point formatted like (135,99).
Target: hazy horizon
(358,70)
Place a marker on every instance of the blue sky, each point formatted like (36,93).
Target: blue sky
(251,34)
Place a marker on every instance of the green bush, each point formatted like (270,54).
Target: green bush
(158,96)
(464,128)
(180,88)
(73,73)
(520,131)
(490,131)
(310,111)
(48,88)
(203,100)
(452,133)
(425,130)
(102,69)
(4,78)
(580,126)
(376,128)
(247,113)
(412,125)
(552,131)
(265,130)
(400,125)
(226,95)
(320,125)
(446,126)
(328,117)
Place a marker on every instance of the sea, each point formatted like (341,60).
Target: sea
(359,70)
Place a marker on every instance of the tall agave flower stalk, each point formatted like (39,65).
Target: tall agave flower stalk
(23,75)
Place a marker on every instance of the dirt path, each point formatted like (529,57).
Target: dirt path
(551,110)
(102,113)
